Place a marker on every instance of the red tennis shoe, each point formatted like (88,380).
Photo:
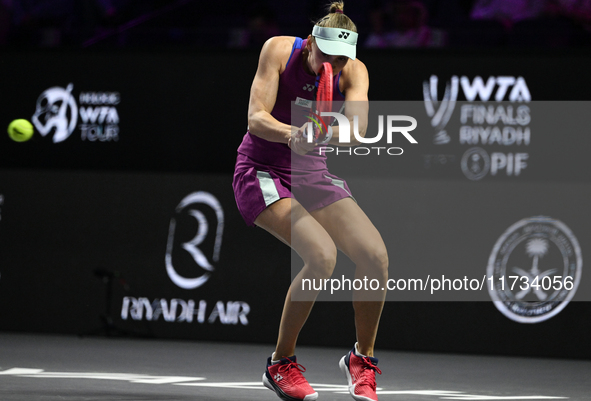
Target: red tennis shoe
(286,380)
(361,375)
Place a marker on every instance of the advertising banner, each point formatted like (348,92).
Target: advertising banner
(153,255)
(117,215)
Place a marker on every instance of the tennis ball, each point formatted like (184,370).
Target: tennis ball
(20,130)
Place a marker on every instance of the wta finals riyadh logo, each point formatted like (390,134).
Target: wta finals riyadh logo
(56,111)
(440,112)
(192,246)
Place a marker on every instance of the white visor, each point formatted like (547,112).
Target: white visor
(335,41)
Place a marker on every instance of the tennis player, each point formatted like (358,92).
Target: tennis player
(314,214)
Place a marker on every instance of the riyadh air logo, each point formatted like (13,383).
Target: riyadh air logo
(194,208)
(440,112)
(56,112)
(536,268)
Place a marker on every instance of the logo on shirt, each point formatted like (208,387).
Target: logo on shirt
(304,102)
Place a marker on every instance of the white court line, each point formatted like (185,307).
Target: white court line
(259,386)
(459,395)
(494,397)
(130,377)
(198,382)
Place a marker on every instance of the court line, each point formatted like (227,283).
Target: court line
(199,382)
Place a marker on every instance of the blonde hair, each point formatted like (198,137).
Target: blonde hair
(335,18)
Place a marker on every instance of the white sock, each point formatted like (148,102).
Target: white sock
(357,351)
(273,361)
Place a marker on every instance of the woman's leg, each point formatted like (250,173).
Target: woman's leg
(287,220)
(356,236)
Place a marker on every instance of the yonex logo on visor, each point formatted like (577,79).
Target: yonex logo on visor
(335,41)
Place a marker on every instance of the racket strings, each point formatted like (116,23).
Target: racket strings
(323,96)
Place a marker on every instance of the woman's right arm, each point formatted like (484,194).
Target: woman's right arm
(263,91)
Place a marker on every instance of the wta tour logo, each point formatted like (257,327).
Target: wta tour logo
(536,267)
(56,111)
(190,206)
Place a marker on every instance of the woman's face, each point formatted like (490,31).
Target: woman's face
(316,58)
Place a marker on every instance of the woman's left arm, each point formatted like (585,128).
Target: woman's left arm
(355,88)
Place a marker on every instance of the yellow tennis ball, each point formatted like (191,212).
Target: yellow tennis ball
(20,130)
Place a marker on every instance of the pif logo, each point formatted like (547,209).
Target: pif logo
(476,163)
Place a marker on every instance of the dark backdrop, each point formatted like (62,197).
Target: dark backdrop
(82,216)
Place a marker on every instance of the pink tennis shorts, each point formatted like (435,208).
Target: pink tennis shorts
(256,186)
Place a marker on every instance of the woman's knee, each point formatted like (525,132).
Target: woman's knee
(322,260)
(375,259)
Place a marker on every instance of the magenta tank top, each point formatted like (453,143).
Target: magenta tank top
(294,83)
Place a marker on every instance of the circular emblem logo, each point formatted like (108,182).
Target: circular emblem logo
(475,163)
(536,268)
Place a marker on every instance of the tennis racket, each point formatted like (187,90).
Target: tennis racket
(323,103)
